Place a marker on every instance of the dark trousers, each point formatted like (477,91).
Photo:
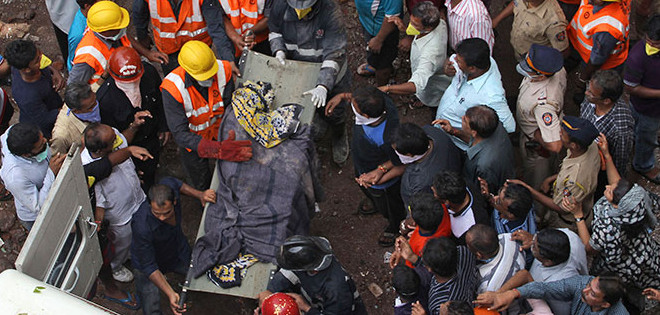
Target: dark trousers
(197,169)
(389,203)
(172,63)
(62,42)
(149,293)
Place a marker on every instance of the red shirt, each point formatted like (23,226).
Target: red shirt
(417,240)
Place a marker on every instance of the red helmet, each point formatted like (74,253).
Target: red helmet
(279,304)
(125,64)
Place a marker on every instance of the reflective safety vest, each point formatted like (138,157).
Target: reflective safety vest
(94,52)
(203,115)
(244,14)
(170,32)
(613,18)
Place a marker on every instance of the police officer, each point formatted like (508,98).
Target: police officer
(319,283)
(311,30)
(535,22)
(539,110)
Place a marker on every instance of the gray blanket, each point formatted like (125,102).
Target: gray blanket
(260,202)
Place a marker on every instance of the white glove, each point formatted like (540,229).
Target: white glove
(319,95)
(281,56)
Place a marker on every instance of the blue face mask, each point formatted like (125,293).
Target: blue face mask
(42,155)
(93,116)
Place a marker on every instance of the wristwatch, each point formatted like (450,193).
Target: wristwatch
(579,219)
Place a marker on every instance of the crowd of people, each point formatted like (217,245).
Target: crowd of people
(468,235)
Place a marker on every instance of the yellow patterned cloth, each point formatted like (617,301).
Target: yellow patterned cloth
(231,274)
(252,104)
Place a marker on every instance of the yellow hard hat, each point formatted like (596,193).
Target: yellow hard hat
(107,15)
(198,60)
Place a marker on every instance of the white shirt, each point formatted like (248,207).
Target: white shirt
(62,13)
(28,181)
(464,221)
(427,58)
(119,194)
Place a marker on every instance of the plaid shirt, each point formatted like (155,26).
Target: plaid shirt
(618,126)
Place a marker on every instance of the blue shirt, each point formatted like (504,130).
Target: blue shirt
(484,90)
(38,101)
(75,36)
(373,12)
(568,290)
(156,244)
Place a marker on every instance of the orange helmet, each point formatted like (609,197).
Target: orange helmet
(279,304)
(125,64)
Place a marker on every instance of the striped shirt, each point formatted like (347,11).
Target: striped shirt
(469,19)
(461,287)
(507,262)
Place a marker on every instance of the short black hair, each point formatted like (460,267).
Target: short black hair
(426,211)
(483,120)
(612,288)
(160,194)
(579,142)
(370,101)
(483,239)
(553,245)
(406,282)
(610,82)
(427,13)
(621,189)
(653,27)
(521,200)
(82,3)
(450,185)
(459,308)
(411,139)
(75,93)
(22,137)
(441,255)
(93,140)
(19,53)
(475,52)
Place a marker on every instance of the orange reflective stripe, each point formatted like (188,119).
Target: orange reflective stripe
(170,32)
(244,14)
(94,52)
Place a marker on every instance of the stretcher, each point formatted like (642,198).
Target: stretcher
(289,81)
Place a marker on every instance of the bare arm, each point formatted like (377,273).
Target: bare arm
(508,11)
(519,278)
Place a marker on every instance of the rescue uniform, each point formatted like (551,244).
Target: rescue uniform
(92,57)
(194,112)
(175,25)
(577,177)
(243,15)
(544,25)
(600,34)
(318,37)
(540,107)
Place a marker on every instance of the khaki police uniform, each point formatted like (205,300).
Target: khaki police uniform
(577,178)
(544,25)
(540,107)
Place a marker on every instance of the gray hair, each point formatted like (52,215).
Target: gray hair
(611,83)
(428,13)
(75,93)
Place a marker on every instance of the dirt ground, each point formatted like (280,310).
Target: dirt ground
(353,237)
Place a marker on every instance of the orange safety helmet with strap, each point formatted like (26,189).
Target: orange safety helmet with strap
(204,116)
(170,32)
(244,14)
(94,52)
(612,18)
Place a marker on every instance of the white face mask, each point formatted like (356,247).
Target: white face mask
(115,38)
(362,120)
(206,83)
(132,91)
(409,159)
(525,73)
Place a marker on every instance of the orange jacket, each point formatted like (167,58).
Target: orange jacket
(244,14)
(94,52)
(613,18)
(170,32)
(204,116)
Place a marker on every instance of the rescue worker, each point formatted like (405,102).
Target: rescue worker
(106,22)
(246,25)
(175,22)
(311,274)
(133,86)
(535,22)
(194,95)
(539,110)
(599,33)
(311,30)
